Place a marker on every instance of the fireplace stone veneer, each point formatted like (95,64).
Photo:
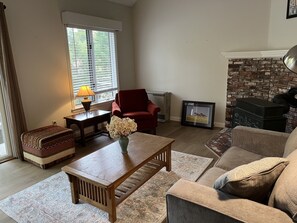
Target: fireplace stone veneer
(261,78)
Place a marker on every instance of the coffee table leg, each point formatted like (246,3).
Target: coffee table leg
(112,215)
(74,189)
(168,158)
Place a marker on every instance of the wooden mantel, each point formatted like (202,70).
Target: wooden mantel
(255,54)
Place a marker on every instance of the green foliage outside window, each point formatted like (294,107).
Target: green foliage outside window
(93,62)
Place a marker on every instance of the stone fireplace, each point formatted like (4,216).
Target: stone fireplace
(263,77)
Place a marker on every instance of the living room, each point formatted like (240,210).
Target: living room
(152,52)
(165,45)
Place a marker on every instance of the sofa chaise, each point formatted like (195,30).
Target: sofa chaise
(200,202)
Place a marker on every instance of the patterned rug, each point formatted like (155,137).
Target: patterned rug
(49,201)
(220,142)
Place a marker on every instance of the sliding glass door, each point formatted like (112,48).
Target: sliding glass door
(5,148)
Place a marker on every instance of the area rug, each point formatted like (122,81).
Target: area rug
(49,201)
(220,142)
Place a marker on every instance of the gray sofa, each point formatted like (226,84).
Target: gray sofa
(199,202)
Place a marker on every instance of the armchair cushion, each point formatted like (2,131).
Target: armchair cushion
(137,116)
(254,180)
(133,100)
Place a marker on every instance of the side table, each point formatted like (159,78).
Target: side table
(86,119)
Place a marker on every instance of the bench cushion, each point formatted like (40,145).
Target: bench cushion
(47,141)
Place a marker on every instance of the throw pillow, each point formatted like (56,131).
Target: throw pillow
(253,181)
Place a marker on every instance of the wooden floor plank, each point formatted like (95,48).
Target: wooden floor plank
(16,175)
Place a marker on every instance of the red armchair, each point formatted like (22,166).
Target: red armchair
(136,105)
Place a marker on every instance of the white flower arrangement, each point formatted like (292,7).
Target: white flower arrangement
(119,127)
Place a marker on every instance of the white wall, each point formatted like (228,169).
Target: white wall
(39,47)
(178,45)
(282,31)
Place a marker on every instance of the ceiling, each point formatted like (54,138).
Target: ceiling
(124,2)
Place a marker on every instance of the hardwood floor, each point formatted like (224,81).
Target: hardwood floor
(16,175)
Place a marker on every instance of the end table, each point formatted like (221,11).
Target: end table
(86,119)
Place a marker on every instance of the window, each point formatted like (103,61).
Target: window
(92,56)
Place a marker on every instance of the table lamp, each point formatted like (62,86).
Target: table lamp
(290,59)
(85,91)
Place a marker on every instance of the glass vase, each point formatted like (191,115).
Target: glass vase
(124,141)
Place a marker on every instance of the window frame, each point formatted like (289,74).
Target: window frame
(79,108)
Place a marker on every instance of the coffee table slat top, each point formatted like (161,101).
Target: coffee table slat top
(108,164)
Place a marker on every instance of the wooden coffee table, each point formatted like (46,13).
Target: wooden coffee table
(107,177)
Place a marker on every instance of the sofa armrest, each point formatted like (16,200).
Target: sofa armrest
(260,141)
(189,202)
(152,108)
(115,109)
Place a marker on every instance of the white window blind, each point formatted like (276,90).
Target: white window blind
(92,55)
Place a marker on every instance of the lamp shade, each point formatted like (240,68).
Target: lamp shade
(290,59)
(85,91)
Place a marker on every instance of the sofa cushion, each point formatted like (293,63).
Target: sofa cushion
(210,176)
(254,180)
(291,143)
(284,193)
(235,157)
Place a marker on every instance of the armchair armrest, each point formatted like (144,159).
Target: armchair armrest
(260,141)
(115,109)
(152,108)
(189,202)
